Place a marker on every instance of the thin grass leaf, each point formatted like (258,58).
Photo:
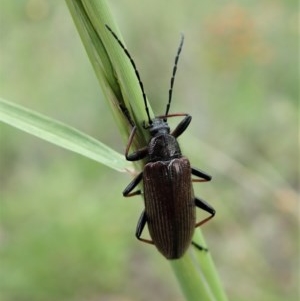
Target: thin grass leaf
(60,134)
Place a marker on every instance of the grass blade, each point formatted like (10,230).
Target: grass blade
(60,134)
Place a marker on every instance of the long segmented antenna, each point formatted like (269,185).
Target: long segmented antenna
(173,75)
(135,70)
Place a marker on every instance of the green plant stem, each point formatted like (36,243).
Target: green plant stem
(113,70)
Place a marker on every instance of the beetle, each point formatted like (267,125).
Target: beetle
(170,204)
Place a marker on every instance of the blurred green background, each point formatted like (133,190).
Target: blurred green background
(67,233)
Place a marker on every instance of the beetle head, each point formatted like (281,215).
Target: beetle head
(159,126)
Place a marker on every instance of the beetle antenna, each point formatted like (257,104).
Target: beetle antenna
(173,75)
(135,70)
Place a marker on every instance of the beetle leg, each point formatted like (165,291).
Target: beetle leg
(206,207)
(182,126)
(200,248)
(137,155)
(201,174)
(127,191)
(140,227)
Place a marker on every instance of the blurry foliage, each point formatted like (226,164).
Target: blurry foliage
(66,232)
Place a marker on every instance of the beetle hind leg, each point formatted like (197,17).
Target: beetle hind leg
(127,191)
(140,227)
(200,248)
(206,207)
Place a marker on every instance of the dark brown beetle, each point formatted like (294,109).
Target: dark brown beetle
(170,204)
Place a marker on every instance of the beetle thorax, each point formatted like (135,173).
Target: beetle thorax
(162,146)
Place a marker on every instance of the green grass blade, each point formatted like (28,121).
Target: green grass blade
(60,134)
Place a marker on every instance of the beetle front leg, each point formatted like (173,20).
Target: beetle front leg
(182,126)
(140,227)
(206,207)
(137,155)
(127,191)
(200,174)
